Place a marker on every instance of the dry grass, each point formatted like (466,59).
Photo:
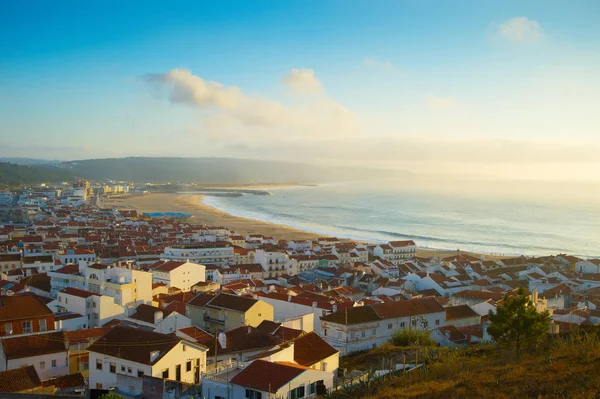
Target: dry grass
(564,370)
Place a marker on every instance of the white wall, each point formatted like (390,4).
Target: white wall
(62,364)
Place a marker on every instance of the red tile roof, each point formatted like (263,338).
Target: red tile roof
(22,307)
(268,376)
(34,345)
(18,380)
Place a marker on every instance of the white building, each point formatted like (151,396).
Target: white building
(47,352)
(180,274)
(125,286)
(396,251)
(274,263)
(98,309)
(365,327)
(160,320)
(136,352)
(220,253)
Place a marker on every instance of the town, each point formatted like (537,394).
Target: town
(96,298)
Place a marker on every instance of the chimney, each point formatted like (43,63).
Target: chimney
(334,308)
(289,297)
(314,304)
(158,316)
(249,330)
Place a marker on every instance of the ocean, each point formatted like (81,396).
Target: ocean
(494,217)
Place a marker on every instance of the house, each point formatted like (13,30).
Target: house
(24,314)
(310,350)
(47,352)
(77,342)
(396,251)
(588,266)
(225,311)
(365,327)
(180,274)
(22,380)
(462,315)
(136,353)
(262,379)
(160,320)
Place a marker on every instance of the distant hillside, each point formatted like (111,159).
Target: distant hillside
(28,161)
(217,171)
(15,175)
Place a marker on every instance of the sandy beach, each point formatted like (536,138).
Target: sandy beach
(192,204)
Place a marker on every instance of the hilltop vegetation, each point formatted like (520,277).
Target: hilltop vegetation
(15,175)
(563,368)
(217,171)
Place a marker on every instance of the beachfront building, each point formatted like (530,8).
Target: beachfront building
(366,327)
(220,253)
(396,251)
(274,262)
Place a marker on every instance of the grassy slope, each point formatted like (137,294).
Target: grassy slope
(564,370)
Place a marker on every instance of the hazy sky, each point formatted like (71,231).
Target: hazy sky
(510,88)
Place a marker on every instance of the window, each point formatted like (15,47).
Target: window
(27,327)
(140,373)
(42,365)
(8,328)
(414,323)
(437,322)
(252,394)
(390,325)
(43,325)
(113,368)
(129,370)
(402,324)
(324,366)
(54,363)
(363,333)
(188,366)
(297,393)
(165,373)
(352,335)
(123,369)
(373,331)
(325,332)
(98,364)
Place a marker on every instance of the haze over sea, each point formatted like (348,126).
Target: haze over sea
(534,218)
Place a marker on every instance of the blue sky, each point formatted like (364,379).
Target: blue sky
(95,79)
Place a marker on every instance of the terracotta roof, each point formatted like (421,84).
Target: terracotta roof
(355,315)
(460,312)
(85,335)
(18,380)
(146,313)
(267,376)
(66,381)
(232,302)
(79,293)
(310,349)
(408,308)
(22,307)
(121,342)
(166,266)
(34,345)
(242,339)
(196,333)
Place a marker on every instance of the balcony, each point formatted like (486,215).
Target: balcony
(212,320)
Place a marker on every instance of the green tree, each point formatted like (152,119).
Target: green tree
(517,323)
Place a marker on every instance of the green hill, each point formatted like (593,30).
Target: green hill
(16,175)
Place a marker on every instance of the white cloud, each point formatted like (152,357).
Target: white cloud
(230,113)
(373,62)
(520,30)
(303,81)
(439,103)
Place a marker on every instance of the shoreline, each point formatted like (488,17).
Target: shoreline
(189,203)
